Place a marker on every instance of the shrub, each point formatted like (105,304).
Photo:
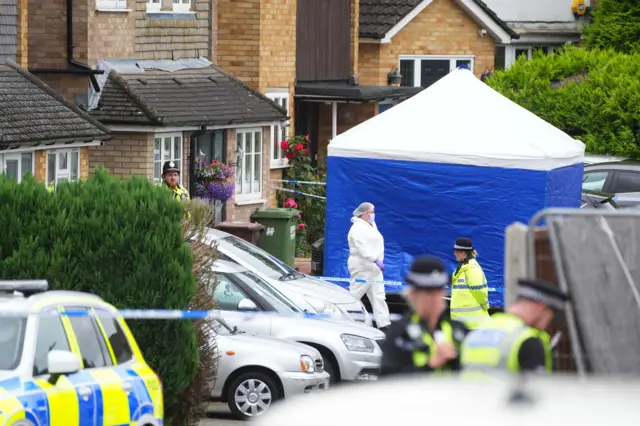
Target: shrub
(615,24)
(121,240)
(593,95)
(312,210)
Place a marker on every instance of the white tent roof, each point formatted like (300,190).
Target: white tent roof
(461,120)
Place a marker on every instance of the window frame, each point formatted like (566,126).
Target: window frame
(279,133)
(102,314)
(181,6)
(162,137)
(240,163)
(111,4)
(417,60)
(3,157)
(154,7)
(58,173)
(108,362)
(615,185)
(510,51)
(37,333)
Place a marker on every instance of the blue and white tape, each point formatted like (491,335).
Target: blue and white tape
(299,182)
(398,284)
(278,188)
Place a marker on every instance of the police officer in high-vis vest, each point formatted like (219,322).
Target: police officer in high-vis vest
(426,340)
(515,341)
(170,176)
(469,291)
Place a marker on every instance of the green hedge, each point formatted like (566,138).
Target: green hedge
(615,24)
(120,239)
(593,95)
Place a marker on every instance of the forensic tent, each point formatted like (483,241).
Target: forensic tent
(456,160)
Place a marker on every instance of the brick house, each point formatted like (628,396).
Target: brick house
(382,53)
(144,68)
(41,133)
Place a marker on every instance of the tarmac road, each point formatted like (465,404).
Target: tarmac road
(219,415)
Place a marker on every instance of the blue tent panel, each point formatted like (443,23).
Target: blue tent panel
(421,208)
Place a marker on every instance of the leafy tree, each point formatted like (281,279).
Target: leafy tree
(593,95)
(615,24)
(122,240)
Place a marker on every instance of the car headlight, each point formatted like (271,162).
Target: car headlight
(357,343)
(306,364)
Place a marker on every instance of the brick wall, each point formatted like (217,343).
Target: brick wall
(22,38)
(242,213)
(111,35)
(125,155)
(277,44)
(355,36)
(238,43)
(40,163)
(349,115)
(441,29)
(174,38)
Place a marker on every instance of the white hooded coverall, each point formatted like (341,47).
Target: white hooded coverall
(366,245)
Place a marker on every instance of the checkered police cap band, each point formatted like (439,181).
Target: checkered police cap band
(538,296)
(435,279)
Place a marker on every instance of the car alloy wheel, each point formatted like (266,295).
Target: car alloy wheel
(251,395)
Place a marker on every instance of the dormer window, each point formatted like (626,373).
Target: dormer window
(181,5)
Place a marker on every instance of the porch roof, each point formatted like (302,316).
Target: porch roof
(343,91)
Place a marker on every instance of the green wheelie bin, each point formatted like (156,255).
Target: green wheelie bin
(279,234)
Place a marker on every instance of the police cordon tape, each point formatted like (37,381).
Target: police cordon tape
(177,314)
(299,182)
(394,284)
(278,188)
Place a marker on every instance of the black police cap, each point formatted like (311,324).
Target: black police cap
(543,292)
(428,273)
(463,244)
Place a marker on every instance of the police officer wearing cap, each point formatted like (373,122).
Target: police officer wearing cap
(515,341)
(170,176)
(427,340)
(469,290)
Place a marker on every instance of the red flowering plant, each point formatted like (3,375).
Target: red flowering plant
(310,226)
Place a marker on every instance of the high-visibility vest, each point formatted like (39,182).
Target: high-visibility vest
(179,192)
(494,346)
(420,357)
(470,295)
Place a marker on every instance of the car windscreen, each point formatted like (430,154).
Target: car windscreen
(257,259)
(11,340)
(265,290)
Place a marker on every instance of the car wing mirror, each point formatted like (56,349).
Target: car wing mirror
(247,305)
(60,363)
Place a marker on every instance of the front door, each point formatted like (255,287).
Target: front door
(212,146)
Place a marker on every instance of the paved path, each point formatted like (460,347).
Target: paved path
(219,415)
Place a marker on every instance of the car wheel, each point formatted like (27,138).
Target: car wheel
(331,368)
(251,395)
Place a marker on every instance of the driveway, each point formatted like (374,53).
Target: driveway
(219,415)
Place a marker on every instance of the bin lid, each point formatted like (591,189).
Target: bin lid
(239,225)
(275,213)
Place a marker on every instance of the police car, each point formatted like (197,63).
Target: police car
(79,368)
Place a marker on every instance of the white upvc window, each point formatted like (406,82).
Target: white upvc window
(424,70)
(111,4)
(16,165)
(63,165)
(167,147)
(154,5)
(181,5)
(279,133)
(505,56)
(249,164)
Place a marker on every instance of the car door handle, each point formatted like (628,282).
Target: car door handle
(126,386)
(85,392)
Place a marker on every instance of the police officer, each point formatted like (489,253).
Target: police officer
(515,341)
(469,291)
(170,176)
(426,340)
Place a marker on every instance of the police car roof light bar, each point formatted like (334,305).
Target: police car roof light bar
(25,287)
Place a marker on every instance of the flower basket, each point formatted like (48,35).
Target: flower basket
(213,181)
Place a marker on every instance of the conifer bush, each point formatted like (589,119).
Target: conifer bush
(120,239)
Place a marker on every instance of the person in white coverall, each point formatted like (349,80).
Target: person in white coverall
(366,254)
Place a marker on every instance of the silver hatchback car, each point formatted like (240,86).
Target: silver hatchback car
(256,371)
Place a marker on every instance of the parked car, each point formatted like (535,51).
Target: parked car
(594,159)
(350,350)
(308,293)
(55,372)
(256,371)
(598,200)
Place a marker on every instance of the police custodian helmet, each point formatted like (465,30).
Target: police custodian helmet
(169,166)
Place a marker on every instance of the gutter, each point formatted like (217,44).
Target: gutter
(78,67)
